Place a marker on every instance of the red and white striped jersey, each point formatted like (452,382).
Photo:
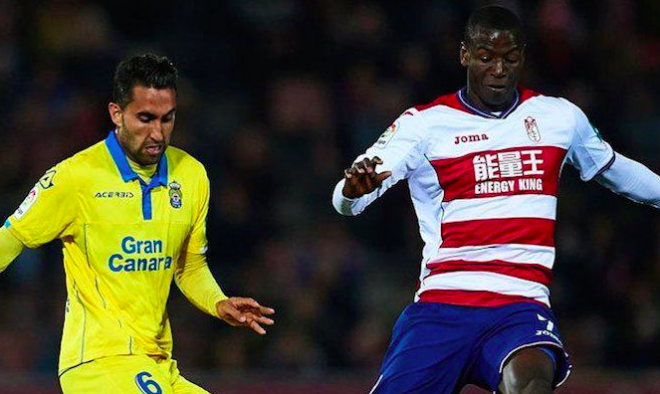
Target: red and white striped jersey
(484,188)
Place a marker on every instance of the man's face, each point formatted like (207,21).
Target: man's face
(144,126)
(494,59)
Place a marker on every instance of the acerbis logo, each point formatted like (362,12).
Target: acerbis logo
(114,195)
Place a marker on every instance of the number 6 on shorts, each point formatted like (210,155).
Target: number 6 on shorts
(146,385)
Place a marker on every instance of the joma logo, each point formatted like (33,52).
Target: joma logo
(470,138)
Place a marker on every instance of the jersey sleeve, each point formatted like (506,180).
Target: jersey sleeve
(49,210)
(588,152)
(196,282)
(10,248)
(197,242)
(401,148)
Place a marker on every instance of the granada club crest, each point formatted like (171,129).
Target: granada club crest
(532,129)
(175,195)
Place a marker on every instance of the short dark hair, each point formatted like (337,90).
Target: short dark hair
(494,17)
(148,70)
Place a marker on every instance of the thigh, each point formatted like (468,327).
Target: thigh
(529,370)
(428,352)
(515,328)
(120,374)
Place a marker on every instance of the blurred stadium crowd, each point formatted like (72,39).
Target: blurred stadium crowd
(276,98)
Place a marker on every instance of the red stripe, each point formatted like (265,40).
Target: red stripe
(449,100)
(526,94)
(532,272)
(458,178)
(473,298)
(527,231)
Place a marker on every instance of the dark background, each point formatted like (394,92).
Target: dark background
(276,97)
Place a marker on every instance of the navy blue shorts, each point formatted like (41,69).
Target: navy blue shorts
(439,348)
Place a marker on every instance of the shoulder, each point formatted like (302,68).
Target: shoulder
(79,163)
(528,96)
(180,161)
(442,102)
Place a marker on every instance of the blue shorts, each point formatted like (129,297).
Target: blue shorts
(439,348)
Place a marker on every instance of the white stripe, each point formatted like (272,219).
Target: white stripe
(512,253)
(380,378)
(534,344)
(487,281)
(504,207)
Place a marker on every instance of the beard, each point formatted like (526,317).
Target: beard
(138,151)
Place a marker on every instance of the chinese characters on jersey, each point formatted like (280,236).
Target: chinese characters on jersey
(496,172)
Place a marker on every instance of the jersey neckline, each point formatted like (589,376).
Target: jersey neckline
(460,101)
(127,173)
(464,99)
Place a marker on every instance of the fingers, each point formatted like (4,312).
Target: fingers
(254,322)
(362,178)
(365,166)
(232,315)
(263,320)
(247,312)
(264,310)
(257,328)
(249,304)
(241,302)
(379,178)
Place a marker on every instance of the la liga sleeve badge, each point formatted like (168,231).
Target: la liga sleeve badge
(27,203)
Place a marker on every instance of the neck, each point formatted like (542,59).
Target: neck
(135,164)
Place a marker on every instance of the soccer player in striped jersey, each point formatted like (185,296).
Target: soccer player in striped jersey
(483,166)
(131,213)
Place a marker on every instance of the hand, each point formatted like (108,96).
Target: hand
(245,312)
(362,178)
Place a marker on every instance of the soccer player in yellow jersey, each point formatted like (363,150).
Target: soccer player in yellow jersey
(131,213)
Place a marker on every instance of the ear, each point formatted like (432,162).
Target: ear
(464,55)
(116,114)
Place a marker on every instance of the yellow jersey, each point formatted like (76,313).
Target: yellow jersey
(123,239)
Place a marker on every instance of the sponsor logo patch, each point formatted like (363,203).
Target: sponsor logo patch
(27,203)
(385,138)
(462,139)
(114,195)
(46,181)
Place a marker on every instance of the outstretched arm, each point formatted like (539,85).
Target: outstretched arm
(10,247)
(196,282)
(632,180)
(595,159)
(360,187)
(397,153)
